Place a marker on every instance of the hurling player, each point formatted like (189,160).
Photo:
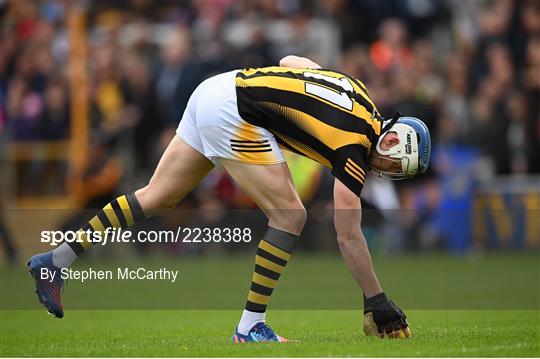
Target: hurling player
(241,120)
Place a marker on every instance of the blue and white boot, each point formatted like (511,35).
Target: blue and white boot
(260,333)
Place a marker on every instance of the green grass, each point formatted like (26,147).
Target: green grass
(457,306)
(321,333)
(309,282)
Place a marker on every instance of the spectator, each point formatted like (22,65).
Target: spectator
(179,75)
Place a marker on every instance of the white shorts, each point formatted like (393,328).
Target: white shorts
(212,125)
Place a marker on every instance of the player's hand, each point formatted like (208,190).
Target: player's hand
(383,318)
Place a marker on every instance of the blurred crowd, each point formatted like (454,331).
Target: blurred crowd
(469,69)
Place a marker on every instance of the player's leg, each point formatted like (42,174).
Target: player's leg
(252,157)
(270,186)
(180,169)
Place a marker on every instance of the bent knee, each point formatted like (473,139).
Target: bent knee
(153,200)
(289,220)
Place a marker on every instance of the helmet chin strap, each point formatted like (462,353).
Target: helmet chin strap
(387,126)
(390,123)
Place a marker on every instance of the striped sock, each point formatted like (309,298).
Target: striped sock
(273,253)
(123,212)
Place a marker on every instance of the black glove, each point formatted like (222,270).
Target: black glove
(387,317)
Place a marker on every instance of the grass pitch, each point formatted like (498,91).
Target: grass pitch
(178,333)
(457,307)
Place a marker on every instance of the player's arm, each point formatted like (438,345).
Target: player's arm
(382,316)
(298,62)
(347,218)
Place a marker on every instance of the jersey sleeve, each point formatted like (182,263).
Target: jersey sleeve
(350,166)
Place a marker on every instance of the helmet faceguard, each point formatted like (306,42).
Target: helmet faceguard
(413,151)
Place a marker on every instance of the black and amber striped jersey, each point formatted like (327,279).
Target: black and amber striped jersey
(322,114)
